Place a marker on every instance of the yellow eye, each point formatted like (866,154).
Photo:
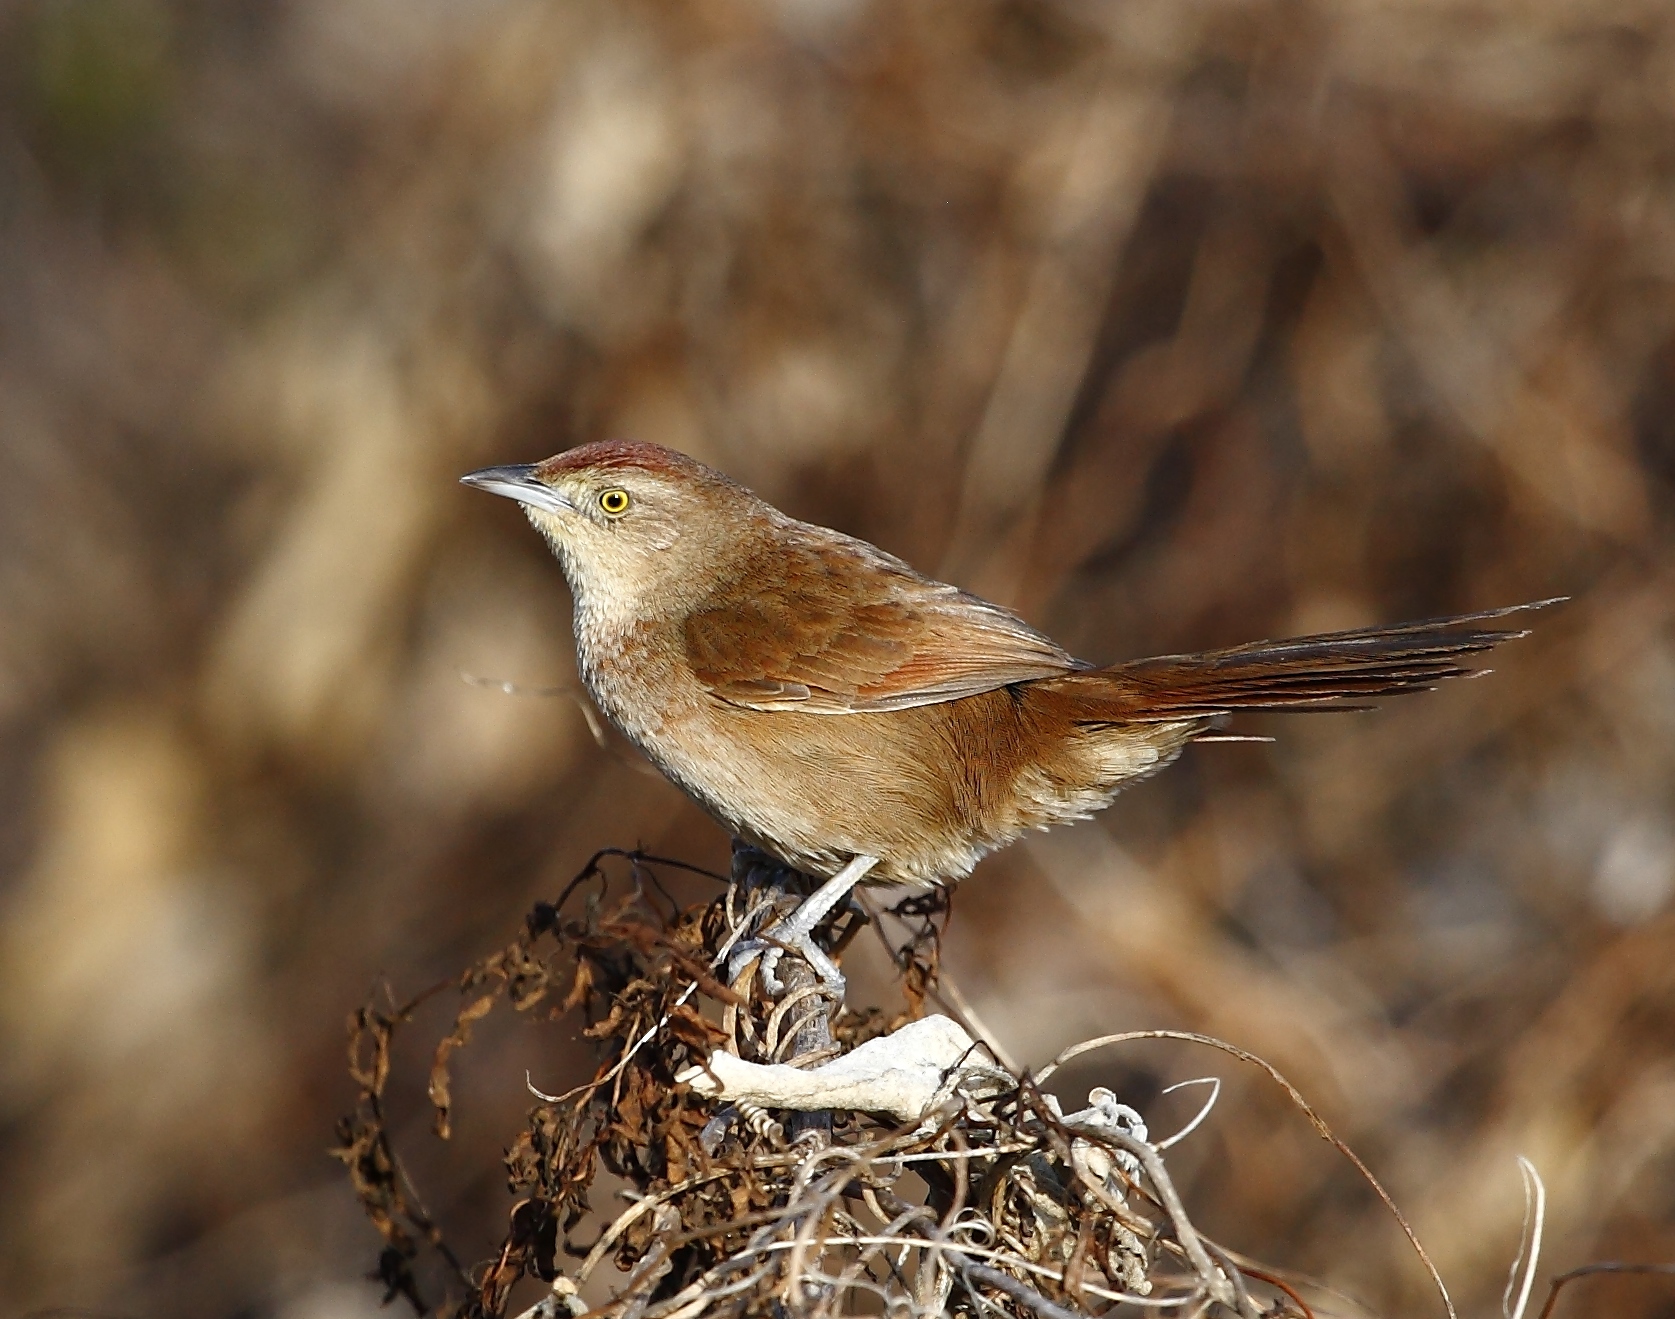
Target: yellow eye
(614,503)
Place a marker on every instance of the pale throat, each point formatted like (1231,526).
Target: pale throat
(612,616)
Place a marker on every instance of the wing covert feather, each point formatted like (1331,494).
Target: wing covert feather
(840,628)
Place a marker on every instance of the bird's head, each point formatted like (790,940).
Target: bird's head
(635,525)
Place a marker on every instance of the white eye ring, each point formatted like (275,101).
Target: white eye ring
(613,503)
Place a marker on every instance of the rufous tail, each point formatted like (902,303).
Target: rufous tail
(1332,671)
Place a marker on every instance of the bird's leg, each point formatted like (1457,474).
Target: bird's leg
(795,932)
(756,873)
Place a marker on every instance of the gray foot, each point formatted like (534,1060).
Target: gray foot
(795,934)
(774,943)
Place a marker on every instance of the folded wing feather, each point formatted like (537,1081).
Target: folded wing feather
(834,635)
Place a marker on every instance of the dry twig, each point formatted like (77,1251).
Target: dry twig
(988,1200)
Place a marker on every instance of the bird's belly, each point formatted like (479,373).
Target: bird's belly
(817,790)
(814,790)
(929,790)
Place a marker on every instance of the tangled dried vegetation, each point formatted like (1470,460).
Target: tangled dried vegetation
(997,1203)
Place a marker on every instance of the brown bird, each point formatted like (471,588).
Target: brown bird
(855,719)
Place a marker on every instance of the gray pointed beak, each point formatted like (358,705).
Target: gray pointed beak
(518,482)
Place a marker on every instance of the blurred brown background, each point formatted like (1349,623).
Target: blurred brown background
(1174,323)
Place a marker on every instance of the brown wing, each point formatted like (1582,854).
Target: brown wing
(840,628)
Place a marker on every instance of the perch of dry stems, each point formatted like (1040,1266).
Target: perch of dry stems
(968,1192)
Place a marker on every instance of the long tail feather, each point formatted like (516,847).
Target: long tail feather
(1333,671)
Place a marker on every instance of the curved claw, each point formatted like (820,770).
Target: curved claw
(796,933)
(771,945)
(744,953)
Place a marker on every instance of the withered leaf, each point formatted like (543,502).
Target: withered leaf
(439,1090)
(690,1027)
(606,1028)
(581,986)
